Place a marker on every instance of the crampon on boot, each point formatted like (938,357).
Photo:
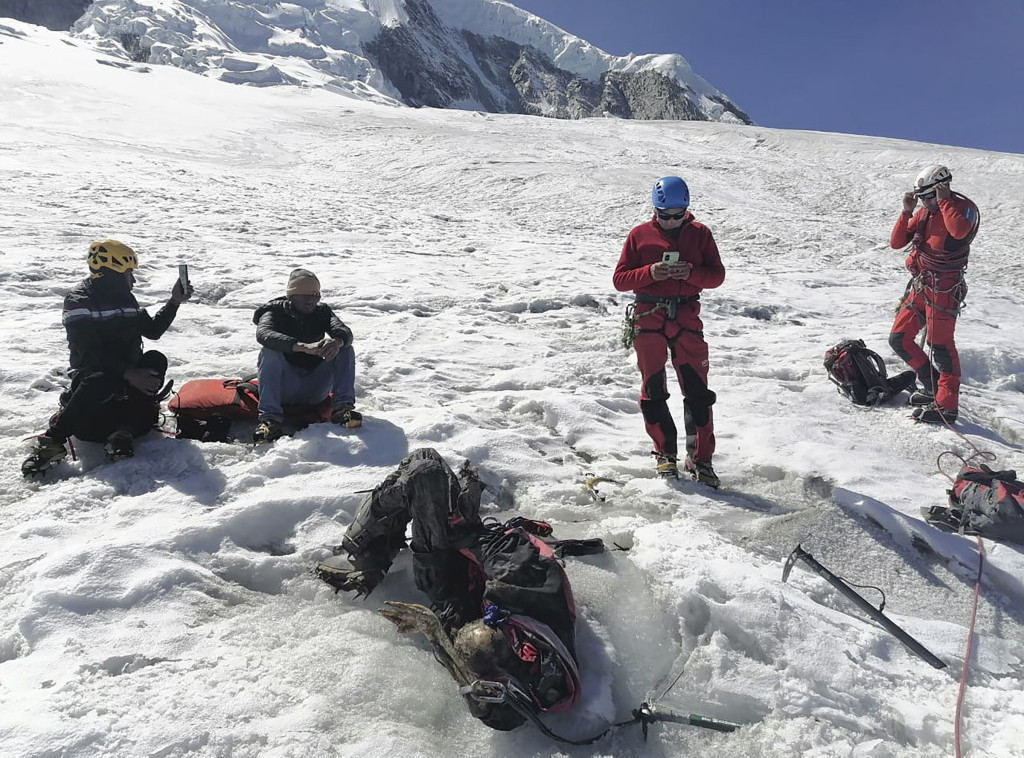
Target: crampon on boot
(347,415)
(933,414)
(703,472)
(666,466)
(921,397)
(46,454)
(339,572)
(267,430)
(120,445)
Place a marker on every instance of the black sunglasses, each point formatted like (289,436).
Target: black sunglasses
(926,195)
(673,216)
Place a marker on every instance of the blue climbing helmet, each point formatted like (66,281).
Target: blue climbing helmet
(670,192)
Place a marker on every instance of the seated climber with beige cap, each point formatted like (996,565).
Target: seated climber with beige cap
(307,355)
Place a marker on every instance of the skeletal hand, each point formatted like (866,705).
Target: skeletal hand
(413,618)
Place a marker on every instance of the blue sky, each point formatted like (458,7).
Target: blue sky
(945,71)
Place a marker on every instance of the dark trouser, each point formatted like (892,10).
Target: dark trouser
(936,311)
(445,519)
(684,344)
(99,403)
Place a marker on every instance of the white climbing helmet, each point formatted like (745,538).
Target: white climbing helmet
(929,177)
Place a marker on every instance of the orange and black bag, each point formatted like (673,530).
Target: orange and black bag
(204,409)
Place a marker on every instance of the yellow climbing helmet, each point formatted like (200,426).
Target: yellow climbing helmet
(113,255)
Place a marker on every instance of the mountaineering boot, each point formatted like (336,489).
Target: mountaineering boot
(666,466)
(46,454)
(905,381)
(347,415)
(703,472)
(933,414)
(921,397)
(267,430)
(339,572)
(120,445)
(925,395)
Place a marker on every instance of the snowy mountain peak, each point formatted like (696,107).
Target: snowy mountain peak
(472,54)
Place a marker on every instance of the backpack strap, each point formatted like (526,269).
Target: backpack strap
(247,392)
(966,241)
(872,370)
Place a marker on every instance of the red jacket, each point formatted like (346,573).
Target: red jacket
(937,237)
(645,245)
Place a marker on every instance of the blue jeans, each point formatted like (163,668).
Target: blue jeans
(282,383)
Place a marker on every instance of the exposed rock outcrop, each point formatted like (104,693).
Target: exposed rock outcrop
(58,15)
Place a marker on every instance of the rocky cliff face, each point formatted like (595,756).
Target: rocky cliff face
(507,77)
(58,15)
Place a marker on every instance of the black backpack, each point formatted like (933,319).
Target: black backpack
(860,374)
(984,502)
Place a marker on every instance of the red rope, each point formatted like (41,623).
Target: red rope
(977,593)
(967,655)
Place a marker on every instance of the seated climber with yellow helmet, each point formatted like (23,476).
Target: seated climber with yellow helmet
(115,388)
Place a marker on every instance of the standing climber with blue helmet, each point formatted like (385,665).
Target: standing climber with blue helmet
(667,261)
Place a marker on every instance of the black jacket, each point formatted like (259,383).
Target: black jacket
(279,326)
(105,325)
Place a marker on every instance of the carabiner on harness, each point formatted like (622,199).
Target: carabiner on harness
(486,691)
(629,330)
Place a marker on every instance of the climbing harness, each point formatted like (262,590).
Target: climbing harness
(927,284)
(670,305)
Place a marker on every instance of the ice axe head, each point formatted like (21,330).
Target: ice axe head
(797,554)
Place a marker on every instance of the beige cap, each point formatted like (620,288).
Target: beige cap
(302,282)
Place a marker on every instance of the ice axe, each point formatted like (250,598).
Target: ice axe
(799,554)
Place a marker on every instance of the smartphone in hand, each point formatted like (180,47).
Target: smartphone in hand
(671,257)
(183,276)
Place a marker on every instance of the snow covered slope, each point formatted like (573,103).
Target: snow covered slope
(470,54)
(163,606)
